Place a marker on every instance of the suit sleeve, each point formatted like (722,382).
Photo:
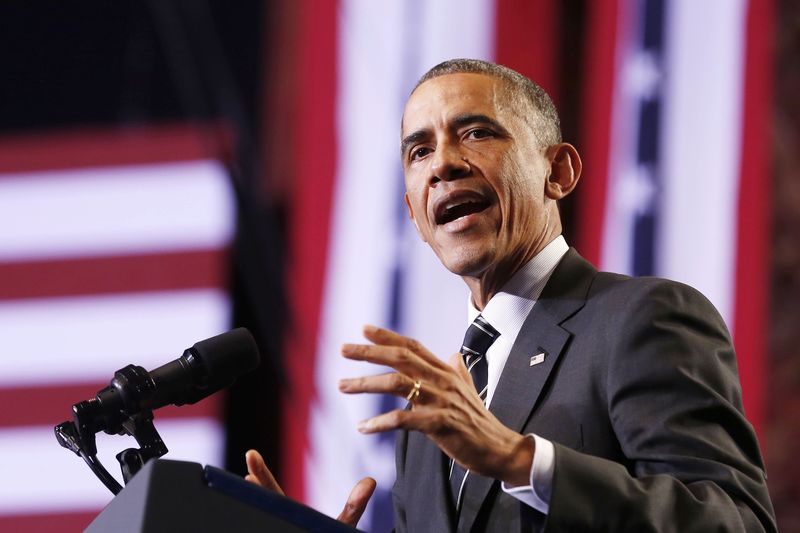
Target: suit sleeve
(674,401)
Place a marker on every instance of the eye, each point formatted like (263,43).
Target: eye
(479,133)
(419,152)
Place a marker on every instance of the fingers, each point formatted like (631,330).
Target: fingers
(258,473)
(457,362)
(404,360)
(357,502)
(401,359)
(408,357)
(425,421)
(385,422)
(396,384)
(391,383)
(387,337)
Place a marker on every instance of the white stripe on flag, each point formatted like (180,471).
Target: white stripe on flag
(450,29)
(629,189)
(382,50)
(115,210)
(85,339)
(701,150)
(364,212)
(42,477)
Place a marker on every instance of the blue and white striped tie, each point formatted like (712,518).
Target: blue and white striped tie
(479,337)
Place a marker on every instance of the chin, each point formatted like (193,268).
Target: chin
(466,262)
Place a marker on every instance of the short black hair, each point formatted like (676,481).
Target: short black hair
(545,122)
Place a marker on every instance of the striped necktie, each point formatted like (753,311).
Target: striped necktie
(479,337)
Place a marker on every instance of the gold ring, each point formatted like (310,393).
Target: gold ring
(414,394)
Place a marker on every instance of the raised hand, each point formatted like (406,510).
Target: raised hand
(445,406)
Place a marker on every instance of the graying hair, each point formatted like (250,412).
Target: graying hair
(544,121)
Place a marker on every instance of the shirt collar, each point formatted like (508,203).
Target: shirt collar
(508,309)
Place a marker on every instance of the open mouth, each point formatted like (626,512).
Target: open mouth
(459,205)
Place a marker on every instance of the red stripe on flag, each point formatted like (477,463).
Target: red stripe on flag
(93,148)
(315,152)
(527,40)
(50,405)
(31,406)
(752,245)
(102,275)
(597,104)
(47,523)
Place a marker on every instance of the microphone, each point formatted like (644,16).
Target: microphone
(126,406)
(203,369)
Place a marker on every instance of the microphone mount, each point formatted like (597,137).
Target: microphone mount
(107,412)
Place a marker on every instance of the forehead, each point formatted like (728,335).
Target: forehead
(443,97)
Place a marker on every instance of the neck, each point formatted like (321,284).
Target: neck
(483,287)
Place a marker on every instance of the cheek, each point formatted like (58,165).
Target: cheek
(417,204)
(520,196)
(417,201)
(417,194)
(511,188)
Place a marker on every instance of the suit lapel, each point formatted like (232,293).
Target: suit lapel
(521,383)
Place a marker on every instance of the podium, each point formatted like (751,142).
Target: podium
(174,496)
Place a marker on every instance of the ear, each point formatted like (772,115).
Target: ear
(565,170)
(412,217)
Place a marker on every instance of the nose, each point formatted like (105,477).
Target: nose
(448,164)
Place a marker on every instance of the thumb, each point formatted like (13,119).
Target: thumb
(457,362)
(258,473)
(357,502)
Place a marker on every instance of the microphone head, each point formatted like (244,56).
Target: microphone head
(225,357)
(228,355)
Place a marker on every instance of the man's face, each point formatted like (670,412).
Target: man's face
(475,175)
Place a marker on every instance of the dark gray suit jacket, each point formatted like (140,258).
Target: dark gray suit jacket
(639,391)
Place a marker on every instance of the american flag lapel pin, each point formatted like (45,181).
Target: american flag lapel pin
(538,358)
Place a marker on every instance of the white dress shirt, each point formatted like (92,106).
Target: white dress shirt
(506,312)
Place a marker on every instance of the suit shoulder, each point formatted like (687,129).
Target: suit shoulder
(618,297)
(611,285)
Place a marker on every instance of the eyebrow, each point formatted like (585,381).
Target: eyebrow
(458,122)
(465,120)
(412,138)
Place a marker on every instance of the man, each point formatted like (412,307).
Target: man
(613,403)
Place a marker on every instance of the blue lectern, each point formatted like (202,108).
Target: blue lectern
(173,496)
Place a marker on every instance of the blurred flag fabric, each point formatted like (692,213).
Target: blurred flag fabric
(676,146)
(113,250)
(674,106)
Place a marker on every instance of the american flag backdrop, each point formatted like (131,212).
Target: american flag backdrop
(673,129)
(113,250)
(114,244)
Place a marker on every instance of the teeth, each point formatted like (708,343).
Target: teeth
(460,207)
(451,206)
